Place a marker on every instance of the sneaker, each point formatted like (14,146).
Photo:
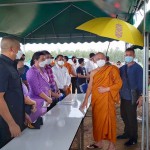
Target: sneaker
(130,142)
(123,136)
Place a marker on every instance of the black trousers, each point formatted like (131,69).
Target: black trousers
(129,116)
(74,84)
(5,136)
(78,89)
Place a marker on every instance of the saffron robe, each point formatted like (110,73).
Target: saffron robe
(103,104)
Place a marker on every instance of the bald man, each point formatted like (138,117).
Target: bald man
(12,113)
(104,85)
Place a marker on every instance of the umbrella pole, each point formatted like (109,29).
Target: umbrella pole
(24,45)
(107,48)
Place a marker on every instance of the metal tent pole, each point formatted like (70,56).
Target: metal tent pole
(145,114)
(143,125)
(40,2)
(147,94)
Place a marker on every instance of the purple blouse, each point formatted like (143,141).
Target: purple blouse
(40,110)
(38,82)
(25,90)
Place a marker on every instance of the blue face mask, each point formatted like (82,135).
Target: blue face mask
(128,59)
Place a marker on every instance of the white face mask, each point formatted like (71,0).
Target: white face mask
(61,63)
(101,62)
(48,61)
(19,54)
(42,64)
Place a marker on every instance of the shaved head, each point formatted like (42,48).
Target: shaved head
(7,43)
(99,55)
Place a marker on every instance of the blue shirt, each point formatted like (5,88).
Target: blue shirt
(82,71)
(23,76)
(135,78)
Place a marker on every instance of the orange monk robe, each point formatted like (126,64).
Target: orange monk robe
(52,63)
(103,104)
(69,68)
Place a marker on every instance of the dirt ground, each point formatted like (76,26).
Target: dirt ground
(88,137)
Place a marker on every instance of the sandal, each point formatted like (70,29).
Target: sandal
(93,146)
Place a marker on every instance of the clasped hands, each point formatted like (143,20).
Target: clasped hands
(102,89)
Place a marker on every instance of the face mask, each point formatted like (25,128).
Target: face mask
(101,62)
(19,54)
(21,70)
(42,64)
(128,59)
(61,63)
(48,61)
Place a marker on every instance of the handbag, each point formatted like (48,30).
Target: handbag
(134,93)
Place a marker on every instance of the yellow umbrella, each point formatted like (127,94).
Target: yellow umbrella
(114,28)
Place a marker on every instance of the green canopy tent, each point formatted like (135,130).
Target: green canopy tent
(147,27)
(141,28)
(51,21)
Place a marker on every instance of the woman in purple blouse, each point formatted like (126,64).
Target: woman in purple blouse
(39,88)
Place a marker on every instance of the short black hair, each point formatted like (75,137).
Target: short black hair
(46,52)
(73,57)
(118,61)
(58,56)
(18,60)
(66,57)
(130,49)
(80,60)
(36,56)
(91,55)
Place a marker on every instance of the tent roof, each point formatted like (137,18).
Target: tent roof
(147,27)
(52,21)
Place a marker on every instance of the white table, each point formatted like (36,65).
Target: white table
(59,129)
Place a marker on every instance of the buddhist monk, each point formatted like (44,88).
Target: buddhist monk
(104,85)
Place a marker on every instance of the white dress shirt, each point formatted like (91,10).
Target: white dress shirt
(62,76)
(90,65)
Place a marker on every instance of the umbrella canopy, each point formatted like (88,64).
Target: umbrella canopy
(52,21)
(113,28)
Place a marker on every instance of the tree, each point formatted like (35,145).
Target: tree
(114,54)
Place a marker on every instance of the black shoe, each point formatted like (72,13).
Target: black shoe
(123,136)
(40,120)
(130,142)
(34,125)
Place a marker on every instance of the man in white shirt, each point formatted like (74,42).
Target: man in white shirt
(90,65)
(61,75)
